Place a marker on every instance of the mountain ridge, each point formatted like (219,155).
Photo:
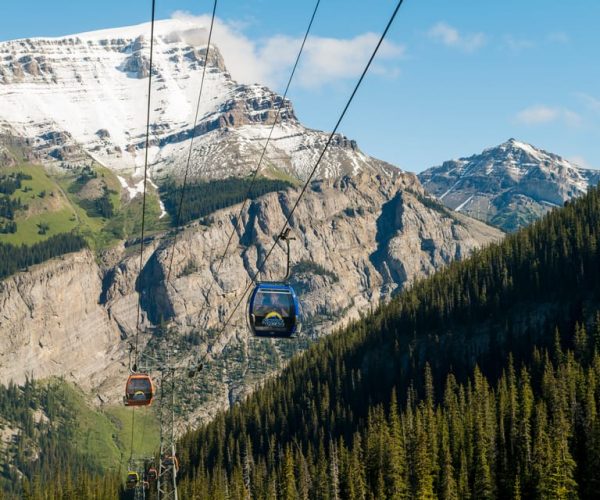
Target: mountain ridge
(88,86)
(509,185)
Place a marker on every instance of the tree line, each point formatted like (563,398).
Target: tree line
(203,198)
(14,258)
(9,183)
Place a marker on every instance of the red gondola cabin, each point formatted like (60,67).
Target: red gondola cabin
(139,390)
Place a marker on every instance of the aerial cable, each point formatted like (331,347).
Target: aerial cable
(137,326)
(314,170)
(138,315)
(132,433)
(264,150)
(185,177)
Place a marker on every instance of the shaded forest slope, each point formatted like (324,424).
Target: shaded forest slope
(507,298)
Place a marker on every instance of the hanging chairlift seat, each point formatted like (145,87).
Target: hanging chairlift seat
(171,461)
(139,390)
(274,310)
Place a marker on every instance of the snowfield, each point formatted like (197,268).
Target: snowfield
(94,87)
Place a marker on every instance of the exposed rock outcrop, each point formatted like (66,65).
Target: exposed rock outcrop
(368,235)
(51,323)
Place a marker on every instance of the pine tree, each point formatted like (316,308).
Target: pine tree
(448,486)
(482,476)
(464,490)
(396,471)
(357,481)
(580,342)
(334,492)
(423,461)
(288,490)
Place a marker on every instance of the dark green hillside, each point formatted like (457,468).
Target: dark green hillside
(203,198)
(13,258)
(328,418)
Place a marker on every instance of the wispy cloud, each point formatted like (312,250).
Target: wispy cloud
(268,61)
(559,37)
(540,114)
(451,37)
(327,60)
(534,115)
(517,44)
(592,103)
(581,161)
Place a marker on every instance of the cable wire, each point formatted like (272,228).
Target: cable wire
(314,170)
(257,169)
(132,433)
(137,326)
(185,177)
(138,315)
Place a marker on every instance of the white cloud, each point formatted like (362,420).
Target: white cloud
(540,114)
(559,37)
(324,60)
(580,161)
(451,37)
(238,50)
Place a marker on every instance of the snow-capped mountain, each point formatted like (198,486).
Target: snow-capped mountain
(509,185)
(91,88)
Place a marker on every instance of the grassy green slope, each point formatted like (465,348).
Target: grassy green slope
(147,430)
(105,435)
(46,204)
(53,419)
(59,202)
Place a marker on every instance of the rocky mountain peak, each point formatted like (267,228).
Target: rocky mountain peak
(97,81)
(508,185)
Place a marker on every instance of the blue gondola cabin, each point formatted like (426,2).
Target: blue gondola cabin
(274,311)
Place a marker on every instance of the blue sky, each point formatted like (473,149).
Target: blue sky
(454,78)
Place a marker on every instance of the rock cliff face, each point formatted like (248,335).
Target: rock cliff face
(51,322)
(362,238)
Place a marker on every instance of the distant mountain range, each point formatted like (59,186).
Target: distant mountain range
(509,185)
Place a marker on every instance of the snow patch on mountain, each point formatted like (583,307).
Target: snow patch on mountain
(93,87)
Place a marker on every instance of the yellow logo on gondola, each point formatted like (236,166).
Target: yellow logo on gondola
(274,320)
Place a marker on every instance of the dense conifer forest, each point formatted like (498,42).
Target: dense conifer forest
(14,258)
(204,198)
(495,364)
